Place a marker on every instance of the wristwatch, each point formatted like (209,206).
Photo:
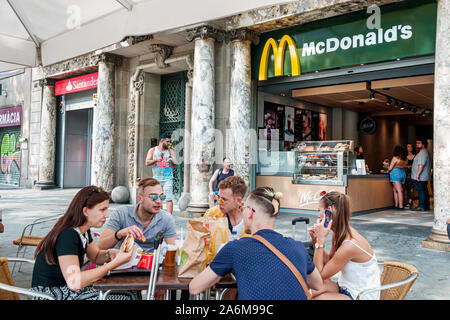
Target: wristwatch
(317,246)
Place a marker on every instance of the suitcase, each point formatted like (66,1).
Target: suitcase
(155,265)
(308,245)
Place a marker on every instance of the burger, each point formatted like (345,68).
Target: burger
(128,243)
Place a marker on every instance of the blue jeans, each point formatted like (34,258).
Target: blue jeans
(424,196)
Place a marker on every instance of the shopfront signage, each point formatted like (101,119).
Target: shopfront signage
(11,117)
(406,29)
(77,84)
(368,126)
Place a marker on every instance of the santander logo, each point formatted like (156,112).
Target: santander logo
(81,83)
(69,86)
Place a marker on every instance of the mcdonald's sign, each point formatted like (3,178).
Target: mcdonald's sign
(407,29)
(278,53)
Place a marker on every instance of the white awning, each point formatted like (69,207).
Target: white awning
(48,31)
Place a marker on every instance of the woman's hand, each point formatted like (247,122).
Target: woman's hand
(133,230)
(121,256)
(320,231)
(113,253)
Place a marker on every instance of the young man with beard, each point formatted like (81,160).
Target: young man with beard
(145,219)
(231,193)
(162,158)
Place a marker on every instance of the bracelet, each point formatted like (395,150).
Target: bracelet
(115,236)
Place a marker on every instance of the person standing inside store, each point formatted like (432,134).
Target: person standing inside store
(219,175)
(359,155)
(397,175)
(421,173)
(409,185)
(162,159)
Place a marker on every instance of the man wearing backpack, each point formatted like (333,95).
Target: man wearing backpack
(219,175)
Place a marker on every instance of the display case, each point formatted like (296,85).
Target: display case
(324,162)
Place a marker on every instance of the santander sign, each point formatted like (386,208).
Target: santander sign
(81,83)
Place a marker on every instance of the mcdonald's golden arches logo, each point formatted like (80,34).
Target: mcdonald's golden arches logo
(278,53)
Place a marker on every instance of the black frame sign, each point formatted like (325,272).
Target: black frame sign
(368,126)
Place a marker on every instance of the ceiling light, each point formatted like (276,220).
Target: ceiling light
(402,107)
(389,101)
(372,95)
(396,104)
(423,113)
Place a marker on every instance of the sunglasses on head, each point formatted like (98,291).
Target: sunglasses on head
(94,189)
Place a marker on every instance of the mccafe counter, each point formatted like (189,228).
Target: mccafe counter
(366,192)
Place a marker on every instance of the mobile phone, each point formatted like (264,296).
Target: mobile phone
(328,214)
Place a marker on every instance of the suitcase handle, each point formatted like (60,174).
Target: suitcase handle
(300,219)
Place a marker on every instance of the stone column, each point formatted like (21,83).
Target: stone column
(203,114)
(438,238)
(103,133)
(185,197)
(239,138)
(47,140)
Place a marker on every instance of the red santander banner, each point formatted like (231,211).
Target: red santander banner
(81,83)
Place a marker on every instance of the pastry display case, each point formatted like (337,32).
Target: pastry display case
(324,162)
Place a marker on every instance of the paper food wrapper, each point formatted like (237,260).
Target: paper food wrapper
(137,253)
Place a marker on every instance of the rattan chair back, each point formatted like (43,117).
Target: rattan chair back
(395,272)
(6,278)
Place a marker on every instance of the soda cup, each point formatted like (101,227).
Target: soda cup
(171,255)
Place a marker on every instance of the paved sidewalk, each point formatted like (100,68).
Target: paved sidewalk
(394,236)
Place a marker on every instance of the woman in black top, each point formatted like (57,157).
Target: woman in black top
(219,175)
(59,256)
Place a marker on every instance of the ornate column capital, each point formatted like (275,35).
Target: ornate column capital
(108,58)
(242,34)
(162,52)
(205,32)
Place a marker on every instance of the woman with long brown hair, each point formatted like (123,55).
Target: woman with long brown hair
(59,256)
(350,253)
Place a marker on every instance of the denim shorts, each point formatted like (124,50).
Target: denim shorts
(343,290)
(398,175)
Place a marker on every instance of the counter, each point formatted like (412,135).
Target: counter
(366,192)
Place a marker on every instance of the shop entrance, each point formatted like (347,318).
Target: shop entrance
(376,113)
(74,140)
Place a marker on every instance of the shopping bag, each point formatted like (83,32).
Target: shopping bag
(218,228)
(195,250)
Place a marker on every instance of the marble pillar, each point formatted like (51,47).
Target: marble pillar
(185,197)
(103,133)
(47,141)
(239,133)
(203,114)
(438,238)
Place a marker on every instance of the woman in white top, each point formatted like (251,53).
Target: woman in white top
(350,253)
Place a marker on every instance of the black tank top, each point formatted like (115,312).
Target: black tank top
(223,176)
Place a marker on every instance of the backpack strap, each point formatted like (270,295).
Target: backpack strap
(287,262)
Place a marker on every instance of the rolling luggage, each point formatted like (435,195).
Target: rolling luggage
(308,245)
(155,265)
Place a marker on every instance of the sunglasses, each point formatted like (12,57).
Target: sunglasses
(94,189)
(155,197)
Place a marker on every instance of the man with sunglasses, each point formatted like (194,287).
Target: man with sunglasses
(143,220)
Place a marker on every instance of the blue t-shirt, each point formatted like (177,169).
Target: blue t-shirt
(259,273)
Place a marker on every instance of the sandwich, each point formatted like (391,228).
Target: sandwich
(128,243)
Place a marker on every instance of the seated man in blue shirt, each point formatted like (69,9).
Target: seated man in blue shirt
(143,220)
(259,273)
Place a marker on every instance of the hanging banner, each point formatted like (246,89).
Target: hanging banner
(77,84)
